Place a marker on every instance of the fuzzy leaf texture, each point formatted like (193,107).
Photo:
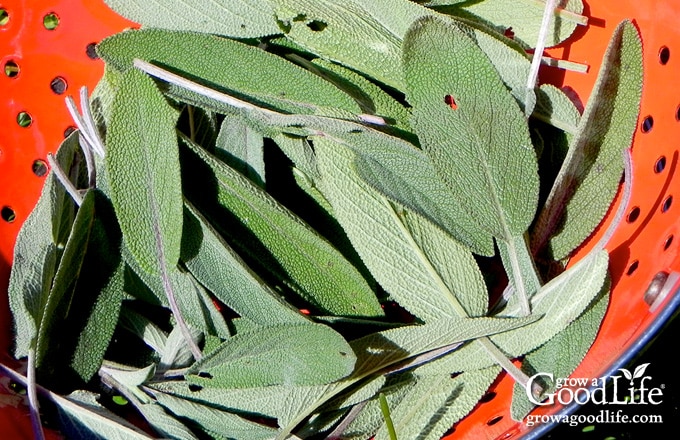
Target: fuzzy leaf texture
(307,354)
(436,402)
(242,148)
(481,148)
(562,354)
(86,297)
(234,18)
(218,267)
(82,417)
(591,173)
(142,165)
(216,423)
(37,252)
(277,239)
(259,77)
(523,17)
(581,284)
(375,354)
(377,229)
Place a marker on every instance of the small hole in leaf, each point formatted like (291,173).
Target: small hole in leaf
(667,243)
(91,51)
(451,102)
(39,167)
(58,85)
(205,375)
(647,124)
(667,204)
(4,17)
(7,214)
(492,421)
(509,33)
(317,25)
(488,397)
(70,129)
(195,388)
(11,69)
(342,353)
(664,55)
(24,119)
(633,215)
(660,164)
(632,268)
(51,21)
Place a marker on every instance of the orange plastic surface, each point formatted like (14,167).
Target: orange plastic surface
(646,243)
(46,53)
(641,247)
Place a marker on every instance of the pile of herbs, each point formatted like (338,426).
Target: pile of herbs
(242,160)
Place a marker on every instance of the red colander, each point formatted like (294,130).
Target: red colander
(47,52)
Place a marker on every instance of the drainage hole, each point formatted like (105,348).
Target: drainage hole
(4,17)
(492,421)
(664,55)
(7,214)
(58,85)
(51,21)
(632,268)
(24,119)
(11,69)
(647,124)
(667,204)
(667,243)
(39,167)
(91,51)
(660,164)
(633,215)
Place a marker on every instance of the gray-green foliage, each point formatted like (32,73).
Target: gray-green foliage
(334,156)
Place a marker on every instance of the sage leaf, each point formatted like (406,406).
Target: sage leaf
(375,353)
(216,423)
(235,284)
(146,330)
(175,353)
(81,416)
(591,172)
(242,148)
(61,295)
(259,77)
(396,260)
(523,18)
(561,354)
(162,422)
(94,309)
(307,354)
(581,284)
(142,164)
(280,242)
(371,98)
(481,149)
(40,244)
(434,403)
(234,18)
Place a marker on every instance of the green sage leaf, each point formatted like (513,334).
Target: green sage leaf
(259,77)
(481,148)
(142,165)
(40,244)
(279,241)
(307,354)
(242,148)
(234,18)
(590,175)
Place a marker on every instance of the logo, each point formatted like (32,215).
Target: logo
(626,389)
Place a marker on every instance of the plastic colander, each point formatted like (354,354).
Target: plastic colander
(46,52)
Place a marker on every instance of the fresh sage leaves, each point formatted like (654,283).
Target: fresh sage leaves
(301,209)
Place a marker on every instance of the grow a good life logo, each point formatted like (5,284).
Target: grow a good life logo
(626,389)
